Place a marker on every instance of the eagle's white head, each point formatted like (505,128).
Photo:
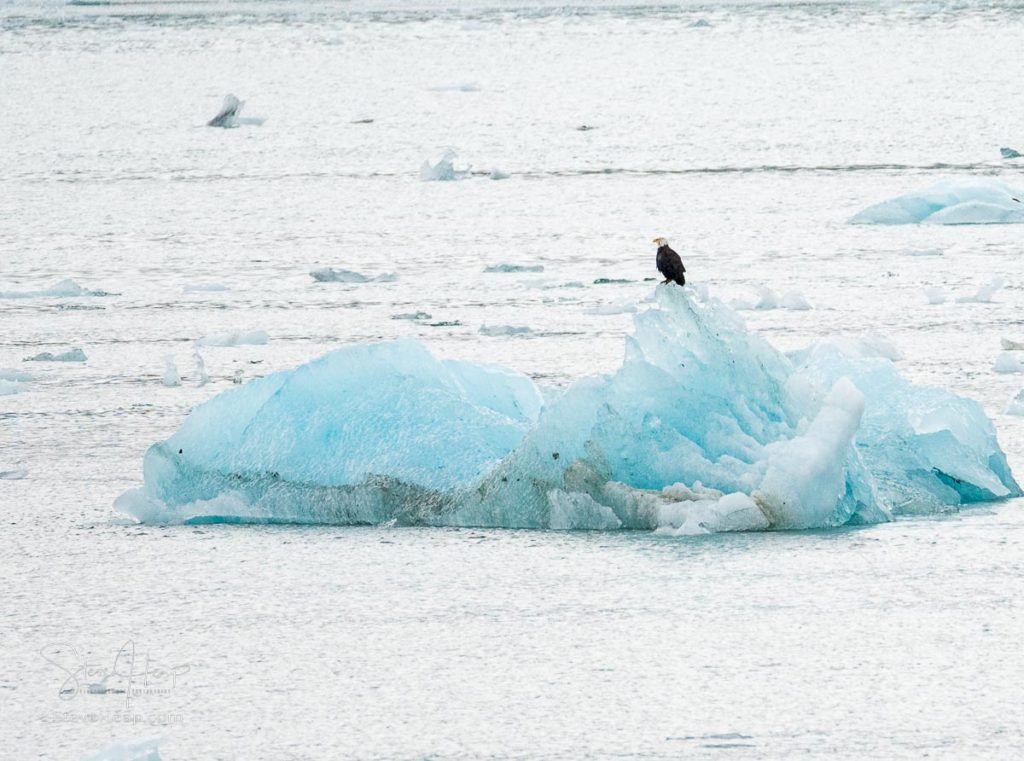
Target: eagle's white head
(659,242)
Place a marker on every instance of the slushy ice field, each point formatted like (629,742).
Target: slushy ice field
(749,135)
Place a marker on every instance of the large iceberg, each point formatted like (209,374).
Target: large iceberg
(704,427)
(968,201)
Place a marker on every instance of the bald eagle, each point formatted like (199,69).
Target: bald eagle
(669,263)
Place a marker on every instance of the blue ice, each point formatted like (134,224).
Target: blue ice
(966,201)
(705,427)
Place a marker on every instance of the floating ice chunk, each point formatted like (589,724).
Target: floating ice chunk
(515,268)
(147,750)
(1006,343)
(950,202)
(499,174)
(205,287)
(1016,405)
(622,307)
(240,338)
(388,433)
(457,87)
(331,275)
(503,330)
(11,387)
(71,355)
(411,316)
(701,23)
(64,289)
(794,300)
(444,170)
(984,294)
(16,376)
(230,115)
(13,475)
(1008,362)
(170,377)
(202,378)
(935,295)
(925,252)
(1009,153)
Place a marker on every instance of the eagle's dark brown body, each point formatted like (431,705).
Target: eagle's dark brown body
(670,265)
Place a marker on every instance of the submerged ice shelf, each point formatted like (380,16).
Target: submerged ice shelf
(704,427)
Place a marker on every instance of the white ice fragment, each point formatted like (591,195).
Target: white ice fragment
(806,476)
(794,300)
(514,268)
(73,354)
(622,307)
(444,170)
(10,387)
(15,375)
(13,475)
(969,201)
(202,378)
(230,115)
(240,338)
(64,289)
(868,345)
(935,295)
(503,330)
(1006,343)
(1008,362)
(331,275)
(236,378)
(170,377)
(984,294)
(1016,405)
(499,174)
(205,287)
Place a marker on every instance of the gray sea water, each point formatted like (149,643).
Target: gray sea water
(748,140)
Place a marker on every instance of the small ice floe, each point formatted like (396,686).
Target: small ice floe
(973,201)
(240,338)
(1016,405)
(925,252)
(767,299)
(230,115)
(445,324)
(237,377)
(1010,153)
(622,307)
(515,268)
(1006,343)
(73,354)
(794,300)
(701,23)
(499,174)
(171,377)
(331,275)
(457,87)
(64,289)
(146,750)
(13,475)
(202,378)
(205,287)
(503,330)
(411,316)
(984,294)
(611,281)
(15,376)
(9,387)
(935,295)
(1008,362)
(444,170)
